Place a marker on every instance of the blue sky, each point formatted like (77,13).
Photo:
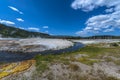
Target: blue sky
(63,17)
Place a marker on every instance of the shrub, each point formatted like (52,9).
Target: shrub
(114,45)
(74,67)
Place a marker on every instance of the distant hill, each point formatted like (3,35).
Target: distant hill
(9,31)
(65,37)
(90,37)
(102,37)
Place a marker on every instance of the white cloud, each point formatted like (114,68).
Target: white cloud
(109,10)
(46,31)
(15,9)
(89,5)
(22,28)
(20,19)
(45,27)
(6,22)
(100,23)
(30,29)
(33,29)
(109,30)
(81,33)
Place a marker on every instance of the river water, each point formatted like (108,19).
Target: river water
(15,57)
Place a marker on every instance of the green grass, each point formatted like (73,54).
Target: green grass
(93,51)
(42,62)
(88,61)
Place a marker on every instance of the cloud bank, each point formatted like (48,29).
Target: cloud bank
(100,23)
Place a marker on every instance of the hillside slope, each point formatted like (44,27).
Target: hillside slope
(8,31)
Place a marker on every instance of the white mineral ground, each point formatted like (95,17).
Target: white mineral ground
(53,44)
(87,41)
(33,44)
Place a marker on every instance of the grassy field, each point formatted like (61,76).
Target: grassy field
(93,53)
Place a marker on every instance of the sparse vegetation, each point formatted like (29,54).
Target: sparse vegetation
(114,44)
(74,67)
(88,61)
(42,62)
(91,51)
(96,54)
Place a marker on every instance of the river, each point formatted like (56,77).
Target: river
(15,57)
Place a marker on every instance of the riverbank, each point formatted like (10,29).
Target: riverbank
(33,45)
(8,57)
